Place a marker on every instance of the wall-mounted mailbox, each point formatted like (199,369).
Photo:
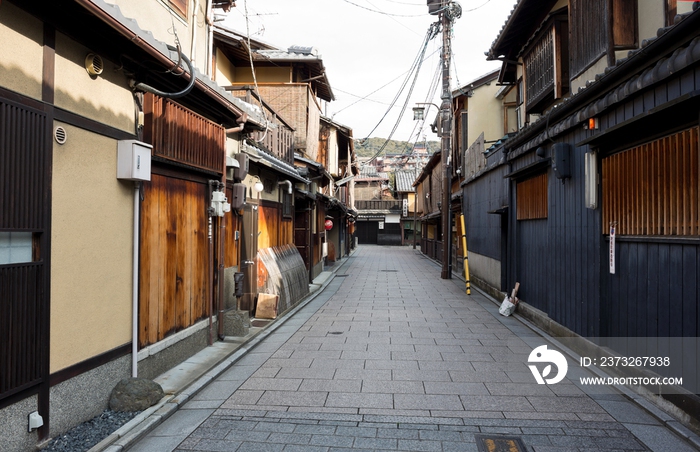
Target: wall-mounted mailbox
(133,160)
(561,160)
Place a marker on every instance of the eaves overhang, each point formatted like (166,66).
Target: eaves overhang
(675,48)
(263,158)
(103,27)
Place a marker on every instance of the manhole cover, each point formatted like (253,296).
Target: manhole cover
(494,443)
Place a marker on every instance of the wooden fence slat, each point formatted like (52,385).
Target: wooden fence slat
(653,189)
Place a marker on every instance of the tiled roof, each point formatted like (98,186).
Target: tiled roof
(646,77)
(404,181)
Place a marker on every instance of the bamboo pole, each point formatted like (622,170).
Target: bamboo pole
(466,256)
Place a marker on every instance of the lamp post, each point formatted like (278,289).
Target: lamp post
(448,11)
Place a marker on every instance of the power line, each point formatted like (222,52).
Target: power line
(432,32)
(382,12)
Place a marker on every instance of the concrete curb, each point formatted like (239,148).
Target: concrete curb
(146,421)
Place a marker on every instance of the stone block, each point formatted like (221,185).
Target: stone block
(236,323)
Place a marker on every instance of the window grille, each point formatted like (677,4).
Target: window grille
(653,189)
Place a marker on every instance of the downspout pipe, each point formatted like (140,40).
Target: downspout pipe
(288,184)
(222,235)
(241,124)
(135,284)
(210,269)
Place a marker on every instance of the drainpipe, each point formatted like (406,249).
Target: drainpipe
(288,184)
(241,123)
(210,286)
(210,40)
(193,47)
(222,234)
(135,285)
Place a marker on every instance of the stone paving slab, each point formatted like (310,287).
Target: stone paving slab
(403,360)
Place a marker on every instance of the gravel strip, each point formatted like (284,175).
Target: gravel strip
(86,435)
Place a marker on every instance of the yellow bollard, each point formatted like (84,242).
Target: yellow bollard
(466,257)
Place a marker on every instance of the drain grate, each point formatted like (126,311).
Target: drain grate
(495,443)
(341,276)
(389,271)
(335,332)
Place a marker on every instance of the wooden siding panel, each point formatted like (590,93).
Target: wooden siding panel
(653,189)
(589,33)
(180,135)
(22,161)
(483,195)
(20,350)
(532,198)
(174,257)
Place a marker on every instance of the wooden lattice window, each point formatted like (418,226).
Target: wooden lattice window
(531,198)
(547,67)
(653,189)
(287,204)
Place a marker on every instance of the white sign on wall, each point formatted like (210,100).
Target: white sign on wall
(405,207)
(612,249)
(381,225)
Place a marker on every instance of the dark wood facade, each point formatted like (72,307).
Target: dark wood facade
(644,143)
(25,194)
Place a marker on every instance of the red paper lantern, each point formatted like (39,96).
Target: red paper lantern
(329,225)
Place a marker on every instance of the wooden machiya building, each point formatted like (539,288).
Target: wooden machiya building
(607,152)
(88,107)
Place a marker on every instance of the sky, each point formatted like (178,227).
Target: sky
(368,48)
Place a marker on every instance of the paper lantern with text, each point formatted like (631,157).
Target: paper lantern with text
(329,225)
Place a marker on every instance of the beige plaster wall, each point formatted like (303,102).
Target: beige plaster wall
(485,268)
(92,240)
(21,51)
(160,19)
(485,113)
(106,98)
(589,74)
(225,71)
(651,18)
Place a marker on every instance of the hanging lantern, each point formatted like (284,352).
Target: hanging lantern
(329,225)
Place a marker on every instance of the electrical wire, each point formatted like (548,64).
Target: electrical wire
(480,6)
(252,69)
(432,32)
(382,12)
(416,64)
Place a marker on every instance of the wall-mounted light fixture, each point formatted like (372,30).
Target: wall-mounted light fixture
(258,185)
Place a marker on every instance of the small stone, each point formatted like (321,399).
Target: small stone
(135,394)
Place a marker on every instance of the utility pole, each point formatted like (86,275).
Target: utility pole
(448,11)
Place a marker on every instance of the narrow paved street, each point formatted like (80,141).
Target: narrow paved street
(391,357)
